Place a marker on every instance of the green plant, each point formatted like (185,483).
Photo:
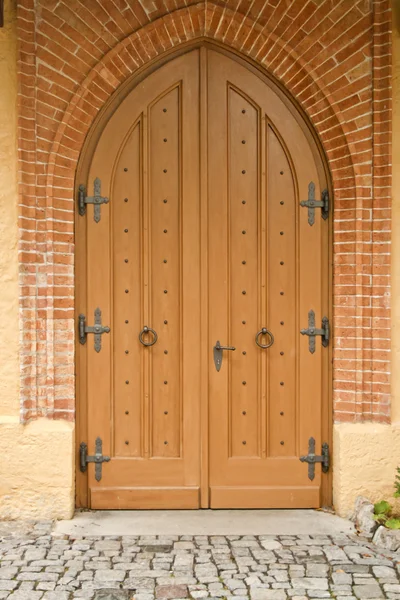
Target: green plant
(393,523)
(382,511)
(397,484)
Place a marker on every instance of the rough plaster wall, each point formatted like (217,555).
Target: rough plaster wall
(365,459)
(37,470)
(9,338)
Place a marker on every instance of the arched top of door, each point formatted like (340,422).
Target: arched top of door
(125,88)
(132,59)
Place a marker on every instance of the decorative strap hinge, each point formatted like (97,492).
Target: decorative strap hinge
(97,199)
(312,203)
(97,329)
(98,458)
(312,331)
(311,458)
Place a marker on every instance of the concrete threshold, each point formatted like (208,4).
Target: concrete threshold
(204,522)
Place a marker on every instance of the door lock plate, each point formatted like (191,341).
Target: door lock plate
(218,354)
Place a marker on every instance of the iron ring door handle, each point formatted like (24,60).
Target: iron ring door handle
(265,331)
(148,330)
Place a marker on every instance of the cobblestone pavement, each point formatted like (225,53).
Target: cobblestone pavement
(36,565)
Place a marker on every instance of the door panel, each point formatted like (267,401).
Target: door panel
(264,403)
(202,250)
(127,239)
(143,401)
(282,305)
(243,256)
(165,267)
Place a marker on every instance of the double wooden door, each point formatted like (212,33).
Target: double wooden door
(202,242)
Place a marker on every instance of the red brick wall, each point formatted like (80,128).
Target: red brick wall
(334,58)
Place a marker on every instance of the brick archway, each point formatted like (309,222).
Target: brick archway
(338,109)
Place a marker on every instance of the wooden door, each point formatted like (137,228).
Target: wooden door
(265,272)
(203,240)
(142,262)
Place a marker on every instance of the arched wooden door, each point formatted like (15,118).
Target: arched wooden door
(203,243)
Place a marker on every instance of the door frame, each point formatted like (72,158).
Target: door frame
(80,265)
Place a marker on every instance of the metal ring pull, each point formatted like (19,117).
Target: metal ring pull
(148,330)
(264,331)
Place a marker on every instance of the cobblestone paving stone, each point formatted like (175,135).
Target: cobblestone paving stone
(36,565)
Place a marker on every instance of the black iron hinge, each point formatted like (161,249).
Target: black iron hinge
(97,329)
(312,331)
(311,203)
(311,458)
(98,458)
(97,199)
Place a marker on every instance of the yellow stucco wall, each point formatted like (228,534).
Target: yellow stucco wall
(36,465)
(365,457)
(37,473)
